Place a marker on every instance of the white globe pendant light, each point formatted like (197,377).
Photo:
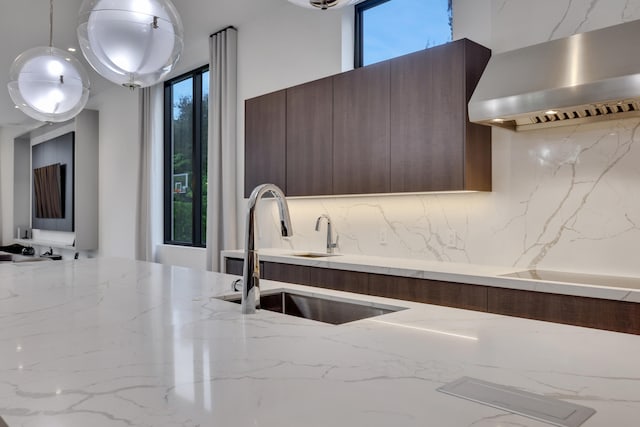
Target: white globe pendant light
(48,84)
(324,4)
(134,43)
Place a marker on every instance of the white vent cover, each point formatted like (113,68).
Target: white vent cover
(541,408)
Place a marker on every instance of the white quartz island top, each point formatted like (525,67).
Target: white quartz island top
(114,342)
(585,285)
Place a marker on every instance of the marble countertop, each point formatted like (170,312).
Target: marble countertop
(114,342)
(585,285)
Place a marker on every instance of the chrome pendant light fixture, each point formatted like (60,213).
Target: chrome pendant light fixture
(324,4)
(133,43)
(48,84)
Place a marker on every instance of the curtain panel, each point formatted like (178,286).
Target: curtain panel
(222,166)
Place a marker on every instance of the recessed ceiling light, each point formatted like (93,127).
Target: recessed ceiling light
(551,112)
(497,120)
(71,49)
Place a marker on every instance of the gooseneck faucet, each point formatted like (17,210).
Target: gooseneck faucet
(251,272)
(330,243)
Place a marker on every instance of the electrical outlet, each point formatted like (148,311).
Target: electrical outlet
(452,238)
(382,236)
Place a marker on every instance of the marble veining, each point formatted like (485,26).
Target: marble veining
(577,187)
(563,199)
(568,204)
(114,342)
(560,21)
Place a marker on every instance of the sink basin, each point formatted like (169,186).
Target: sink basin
(325,309)
(313,254)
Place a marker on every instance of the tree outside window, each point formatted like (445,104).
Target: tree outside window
(186,119)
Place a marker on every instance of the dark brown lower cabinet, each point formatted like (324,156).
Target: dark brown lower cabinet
(458,295)
(596,313)
(340,280)
(233,266)
(289,273)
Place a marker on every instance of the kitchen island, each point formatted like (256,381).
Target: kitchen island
(114,342)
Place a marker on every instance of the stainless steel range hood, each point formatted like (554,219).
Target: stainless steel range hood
(585,77)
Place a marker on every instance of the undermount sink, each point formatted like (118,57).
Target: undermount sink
(309,254)
(319,308)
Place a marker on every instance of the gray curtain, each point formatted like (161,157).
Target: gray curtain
(149,208)
(222,191)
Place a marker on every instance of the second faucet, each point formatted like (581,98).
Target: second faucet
(331,245)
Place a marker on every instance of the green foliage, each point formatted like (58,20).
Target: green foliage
(183,147)
(450,12)
(182,228)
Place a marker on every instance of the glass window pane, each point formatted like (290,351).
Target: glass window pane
(204,126)
(182,155)
(398,27)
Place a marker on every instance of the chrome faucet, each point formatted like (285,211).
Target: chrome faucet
(331,245)
(251,272)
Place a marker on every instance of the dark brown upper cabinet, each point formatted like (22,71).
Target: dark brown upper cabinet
(309,139)
(361,130)
(396,126)
(434,147)
(265,147)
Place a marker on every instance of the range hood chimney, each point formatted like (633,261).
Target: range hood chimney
(586,77)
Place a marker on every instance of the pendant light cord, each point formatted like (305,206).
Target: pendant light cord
(50,23)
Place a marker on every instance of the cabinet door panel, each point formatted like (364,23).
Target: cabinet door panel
(450,294)
(265,144)
(478,137)
(234,266)
(434,147)
(403,288)
(580,311)
(361,130)
(288,273)
(309,138)
(427,120)
(341,280)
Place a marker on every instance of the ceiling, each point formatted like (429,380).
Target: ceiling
(25,24)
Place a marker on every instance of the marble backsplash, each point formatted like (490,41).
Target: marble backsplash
(563,199)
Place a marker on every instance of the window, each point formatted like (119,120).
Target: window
(385,29)
(185,160)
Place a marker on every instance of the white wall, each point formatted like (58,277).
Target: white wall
(5,182)
(7,134)
(118,174)
(119,168)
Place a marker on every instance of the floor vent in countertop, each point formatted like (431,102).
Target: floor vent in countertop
(541,408)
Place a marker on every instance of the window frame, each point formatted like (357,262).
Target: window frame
(358,42)
(196,160)
(358,46)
